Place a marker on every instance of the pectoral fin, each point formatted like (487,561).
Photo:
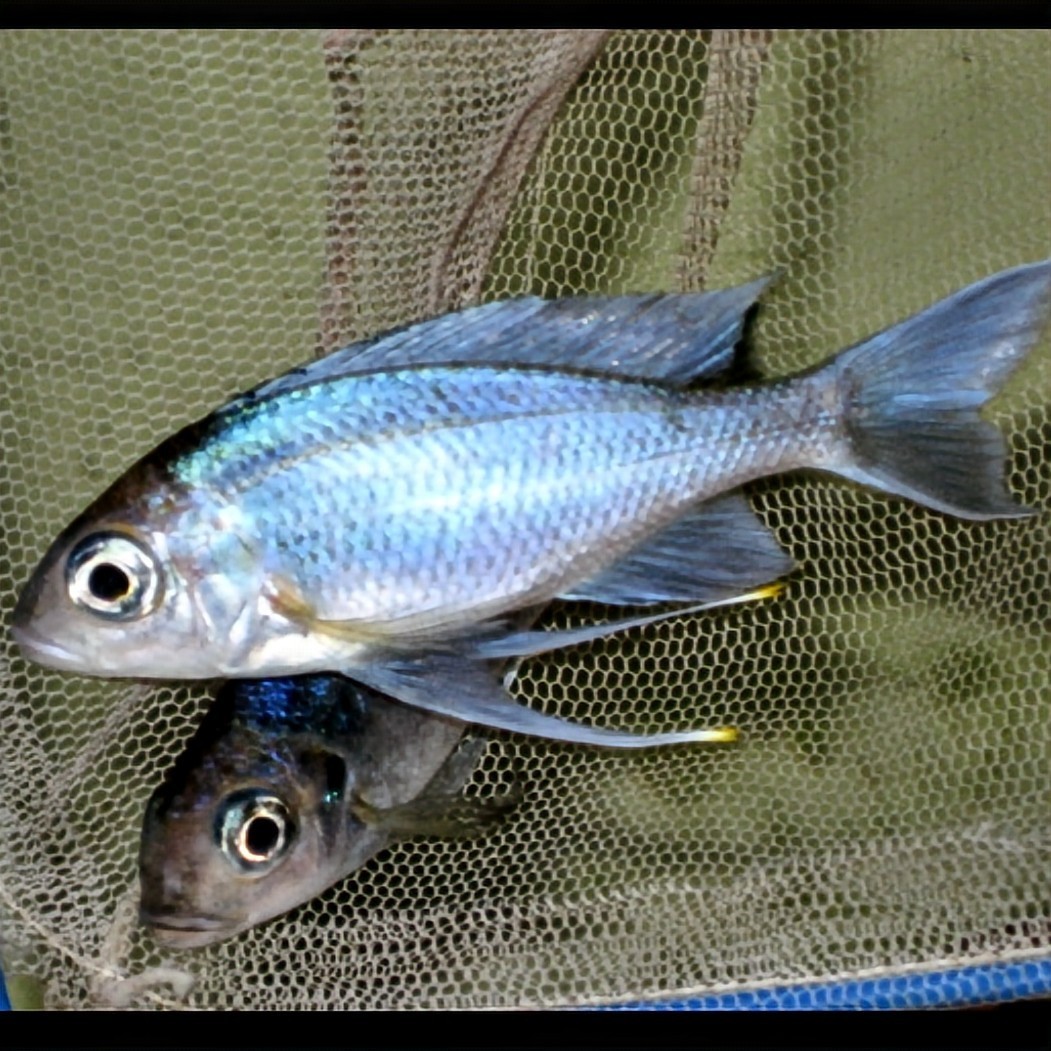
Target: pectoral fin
(456,686)
(439,814)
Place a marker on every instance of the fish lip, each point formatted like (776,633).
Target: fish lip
(36,648)
(187,932)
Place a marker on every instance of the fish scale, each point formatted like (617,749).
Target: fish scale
(476,467)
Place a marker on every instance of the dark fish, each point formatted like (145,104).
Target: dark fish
(287,786)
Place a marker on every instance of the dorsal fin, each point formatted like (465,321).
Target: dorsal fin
(674,338)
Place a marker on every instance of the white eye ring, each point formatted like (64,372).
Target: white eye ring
(254,830)
(114,575)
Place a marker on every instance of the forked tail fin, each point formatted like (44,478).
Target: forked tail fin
(912,395)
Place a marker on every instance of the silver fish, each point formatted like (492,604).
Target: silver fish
(287,786)
(391,510)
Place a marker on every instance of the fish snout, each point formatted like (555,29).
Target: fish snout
(177,931)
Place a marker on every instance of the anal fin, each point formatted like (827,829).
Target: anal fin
(530,643)
(718,550)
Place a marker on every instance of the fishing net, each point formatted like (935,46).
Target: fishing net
(185,214)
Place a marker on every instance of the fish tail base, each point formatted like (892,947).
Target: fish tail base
(912,394)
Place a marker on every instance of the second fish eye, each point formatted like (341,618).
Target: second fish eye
(254,830)
(114,576)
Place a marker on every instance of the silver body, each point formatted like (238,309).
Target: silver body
(391,512)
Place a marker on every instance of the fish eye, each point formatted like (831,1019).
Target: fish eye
(113,575)
(254,830)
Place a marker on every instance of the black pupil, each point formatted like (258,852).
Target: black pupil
(109,582)
(262,835)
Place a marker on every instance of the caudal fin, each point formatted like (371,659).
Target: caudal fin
(912,395)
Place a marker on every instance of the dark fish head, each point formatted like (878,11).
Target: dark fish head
(263,809)
(252,821)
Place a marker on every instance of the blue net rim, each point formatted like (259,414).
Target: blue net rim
(989,983)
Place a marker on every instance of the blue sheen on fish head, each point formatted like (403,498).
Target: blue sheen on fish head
(332,706)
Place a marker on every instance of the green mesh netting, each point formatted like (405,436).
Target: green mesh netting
(185,214)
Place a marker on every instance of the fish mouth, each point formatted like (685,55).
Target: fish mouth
(43,651)
(187,932)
